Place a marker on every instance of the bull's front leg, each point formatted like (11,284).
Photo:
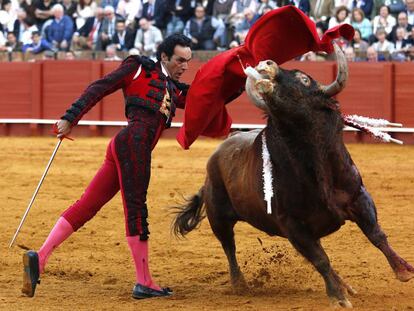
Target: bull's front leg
(312,250)
(365,215)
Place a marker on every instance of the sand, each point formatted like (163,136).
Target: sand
(93,269)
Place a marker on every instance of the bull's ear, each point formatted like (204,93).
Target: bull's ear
(264,86)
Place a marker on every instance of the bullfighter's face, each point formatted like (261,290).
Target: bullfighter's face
(177,64)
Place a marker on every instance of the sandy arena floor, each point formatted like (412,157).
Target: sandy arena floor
(93,270)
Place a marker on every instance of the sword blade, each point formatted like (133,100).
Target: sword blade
(35,193)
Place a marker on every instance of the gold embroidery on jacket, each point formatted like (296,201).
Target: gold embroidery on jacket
(165,108)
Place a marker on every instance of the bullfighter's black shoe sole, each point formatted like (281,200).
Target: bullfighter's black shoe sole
(30,273)
(142,292)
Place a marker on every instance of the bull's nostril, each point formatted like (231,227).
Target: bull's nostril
(269,63)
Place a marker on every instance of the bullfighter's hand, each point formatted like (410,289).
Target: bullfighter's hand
(64,128)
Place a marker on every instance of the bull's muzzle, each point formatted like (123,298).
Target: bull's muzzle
(260,82)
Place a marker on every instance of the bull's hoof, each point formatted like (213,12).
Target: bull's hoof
(404,275)
(348,289)
(239,285)
(341,303)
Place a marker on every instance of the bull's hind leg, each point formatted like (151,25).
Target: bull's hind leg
(365,215)
(312,250)
(222,219)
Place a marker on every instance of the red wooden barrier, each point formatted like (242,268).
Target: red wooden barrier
(45,90)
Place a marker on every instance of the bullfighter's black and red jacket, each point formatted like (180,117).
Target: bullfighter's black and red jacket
(144,85)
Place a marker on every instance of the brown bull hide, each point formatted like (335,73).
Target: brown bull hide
(317,187)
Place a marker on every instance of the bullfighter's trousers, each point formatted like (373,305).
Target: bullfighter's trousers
(126,167)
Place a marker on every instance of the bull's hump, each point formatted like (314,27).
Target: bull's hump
(239,140)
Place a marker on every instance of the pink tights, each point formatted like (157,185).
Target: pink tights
(102,188)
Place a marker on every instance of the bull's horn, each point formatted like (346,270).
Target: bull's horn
(342,75)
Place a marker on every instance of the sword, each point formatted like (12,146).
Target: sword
(38,187)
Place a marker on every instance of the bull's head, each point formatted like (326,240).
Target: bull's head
(267,83)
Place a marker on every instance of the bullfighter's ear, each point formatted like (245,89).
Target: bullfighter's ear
(264,86)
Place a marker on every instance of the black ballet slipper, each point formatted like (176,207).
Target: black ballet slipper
(142,292)
(30,273)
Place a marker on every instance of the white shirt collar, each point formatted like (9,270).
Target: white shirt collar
(164,71)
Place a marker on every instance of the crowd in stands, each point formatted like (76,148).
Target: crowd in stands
(384,28)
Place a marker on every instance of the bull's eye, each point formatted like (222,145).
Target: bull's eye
(305,80)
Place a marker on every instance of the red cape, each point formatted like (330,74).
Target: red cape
(280,35)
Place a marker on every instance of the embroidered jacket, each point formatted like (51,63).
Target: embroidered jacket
(144,86)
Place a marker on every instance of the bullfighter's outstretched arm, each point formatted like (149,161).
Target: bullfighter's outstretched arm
(103,87)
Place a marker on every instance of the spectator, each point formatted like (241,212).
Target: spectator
(7,15)
(402,21)
(155,12)
(410,11)
(128,9)
(265,3)
(383,20)
(266,10)
(401,45)
(410,39)
(43,11)
(2,42)
(12,45)
(38,45)
(365,5)
(221,9)
(180,13)
(303,5)
(87,36)
(372,55)
(341,17)
(18,26)
(69,8)
(107,30)
(359,21)
(350,54)
(110,53)
(204,31)
(148,38)
(84,10)
(104,3)
(236,13)
(383,46)
(29,7)
(60,31)
(70,55)
(360,46)
(25,35)
(396,6)
(242,29)
(345,3)
(322,10)
(319,31)
(124,36)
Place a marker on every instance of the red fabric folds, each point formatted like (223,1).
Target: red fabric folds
(280,35)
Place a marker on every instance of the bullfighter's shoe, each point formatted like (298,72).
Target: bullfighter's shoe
(30,273)
(142,292)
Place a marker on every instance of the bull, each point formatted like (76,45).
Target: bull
(316,185)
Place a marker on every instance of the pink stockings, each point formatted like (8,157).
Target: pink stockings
(102,188)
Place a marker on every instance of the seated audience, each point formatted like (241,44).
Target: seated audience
(204,31)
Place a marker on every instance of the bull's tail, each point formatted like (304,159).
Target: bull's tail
(189,215)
